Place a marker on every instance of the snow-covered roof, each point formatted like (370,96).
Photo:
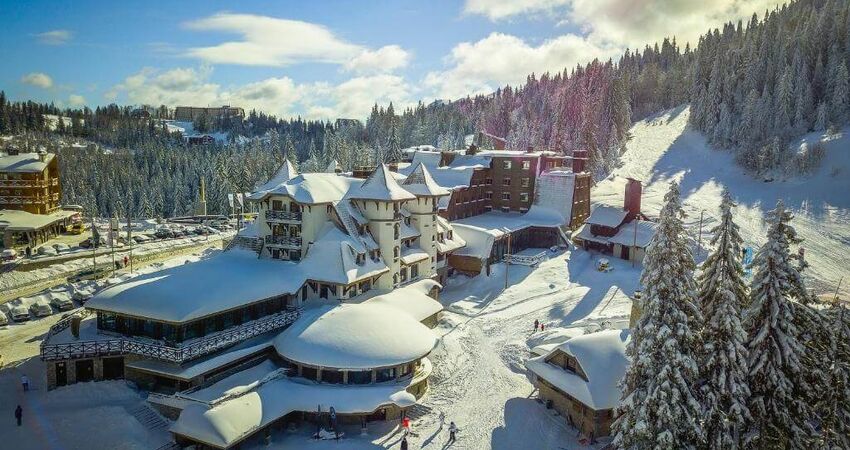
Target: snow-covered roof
(312,188)
(381,185)
(419,182)
(333,166)
(627,236)
(358,336)
(607,216)
(332,258)
(15,220)
(285,173)
(448,245)
(554,190)
(24,163)
(410,255)
(225,281)
(481,230)
(267,400)
(583,233)
(602,357)
(412,299)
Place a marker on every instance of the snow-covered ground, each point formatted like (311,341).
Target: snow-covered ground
(663,148)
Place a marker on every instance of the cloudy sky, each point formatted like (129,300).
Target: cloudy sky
(321,59)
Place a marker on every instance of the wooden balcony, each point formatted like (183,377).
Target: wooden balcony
(282,216)
(283,241)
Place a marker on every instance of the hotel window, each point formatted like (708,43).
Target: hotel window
(506,195)
(523,197)
(506,209)
(489,181)
(488,195)
(277,205)
(506,165)
(414,271)
(385,374)
(395,252)
(506,181)
(360,377)
(526,182)
(526,165)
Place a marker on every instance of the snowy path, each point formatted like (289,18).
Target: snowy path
(663,148)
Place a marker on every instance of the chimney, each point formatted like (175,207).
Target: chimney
(12,151)
(631,202)
(529,149)
(42,155)
(579,160)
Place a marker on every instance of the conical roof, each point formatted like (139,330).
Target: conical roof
(381,185)
(285,173)
(420,182)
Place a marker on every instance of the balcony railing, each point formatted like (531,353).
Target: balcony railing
(22,183)
(283,216)
(283,241)
(177,354)
(28,199)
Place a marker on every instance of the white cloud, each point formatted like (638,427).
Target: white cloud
(499,59)
(76,100)
(38,79)
(269,41)
(383,60)
(501,9)
(54,37)
(277,95)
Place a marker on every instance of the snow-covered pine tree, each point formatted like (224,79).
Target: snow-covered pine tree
(835,409)
(659,408)
(393,154)
(780,415)
(723,364)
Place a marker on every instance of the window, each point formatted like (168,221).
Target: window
(506,165)
(309,373)
(395,252)
(506,181)
(331,376)
(277,205)
(414,271)
(385,374)
(523,197)
(489,181)
(526,165)
(360,377)
(526,182)
(506,209)
(488,195)
(403,273)
(506,195)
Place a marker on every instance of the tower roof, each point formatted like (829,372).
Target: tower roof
(381,185)
(286,172)
(420,182)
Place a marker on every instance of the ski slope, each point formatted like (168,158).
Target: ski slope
(663,149)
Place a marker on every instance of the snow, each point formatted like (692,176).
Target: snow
(607,216)
(554,190)
(21,220)
(412,299)
(602,357)
(332,258)
(285,173)
(358,336)
(228,280)
(626,234)
(479,232)
(663,148)
(410,255)
(312,188)
(24,163)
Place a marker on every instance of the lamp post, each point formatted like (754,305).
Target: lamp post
(507,255)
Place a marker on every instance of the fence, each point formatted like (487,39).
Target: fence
(524,260)
(176,354)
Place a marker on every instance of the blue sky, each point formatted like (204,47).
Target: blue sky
(320,59)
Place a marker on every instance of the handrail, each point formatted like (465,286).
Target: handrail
(283,240)
(157,350)
(272,214)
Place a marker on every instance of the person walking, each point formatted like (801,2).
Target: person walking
(536,324)
(452,432)
(19,414)
(404,443)
(542,327)
(25,382)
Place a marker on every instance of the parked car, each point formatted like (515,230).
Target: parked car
(46,250)
(20,313)
(4,319)
(8,254)
(61,301)
(81,295)
(75,228)
(89,274)
(163,233)
(140,238)
(60,247)
(88,243)
(40,309)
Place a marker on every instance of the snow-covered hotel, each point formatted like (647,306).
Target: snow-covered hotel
(326,300)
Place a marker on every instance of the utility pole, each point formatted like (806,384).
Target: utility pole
(112,238)
(130,239)
(507,257)
(699,236)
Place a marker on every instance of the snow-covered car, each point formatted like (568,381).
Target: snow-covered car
(61,301)
(81,294)
(46,250)
(141,238)
(41,309)
(8,254)
(89,274)
(61,248)
(20,313)
(603,265)
(4,319)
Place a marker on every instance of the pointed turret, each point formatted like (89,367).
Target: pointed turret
(382,186)
(285,173)
(420,183)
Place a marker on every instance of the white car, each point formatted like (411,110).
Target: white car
(61,248)
(20,313)
(4,319)
(46,250)
(61,301)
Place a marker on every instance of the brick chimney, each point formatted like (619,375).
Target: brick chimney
(631,202)
(529,149)
(579,160)
(42,155)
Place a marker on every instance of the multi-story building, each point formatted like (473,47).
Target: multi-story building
(30,182)
(190,113)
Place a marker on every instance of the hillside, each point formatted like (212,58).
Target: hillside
(664,148)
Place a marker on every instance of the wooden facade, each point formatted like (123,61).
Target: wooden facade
(33,192)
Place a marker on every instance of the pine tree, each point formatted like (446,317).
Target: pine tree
(723,365)
(393,153)
(659,408)
(835,416)
(775,352)
(840,98)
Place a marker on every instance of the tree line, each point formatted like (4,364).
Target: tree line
(720,363)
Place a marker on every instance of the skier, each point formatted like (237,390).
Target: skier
(19,414)
(25,382)
(403,443)
(542,327)
(452,432)
(536,324)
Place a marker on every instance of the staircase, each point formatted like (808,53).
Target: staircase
(149,418)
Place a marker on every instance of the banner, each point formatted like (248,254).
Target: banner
(230,200)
